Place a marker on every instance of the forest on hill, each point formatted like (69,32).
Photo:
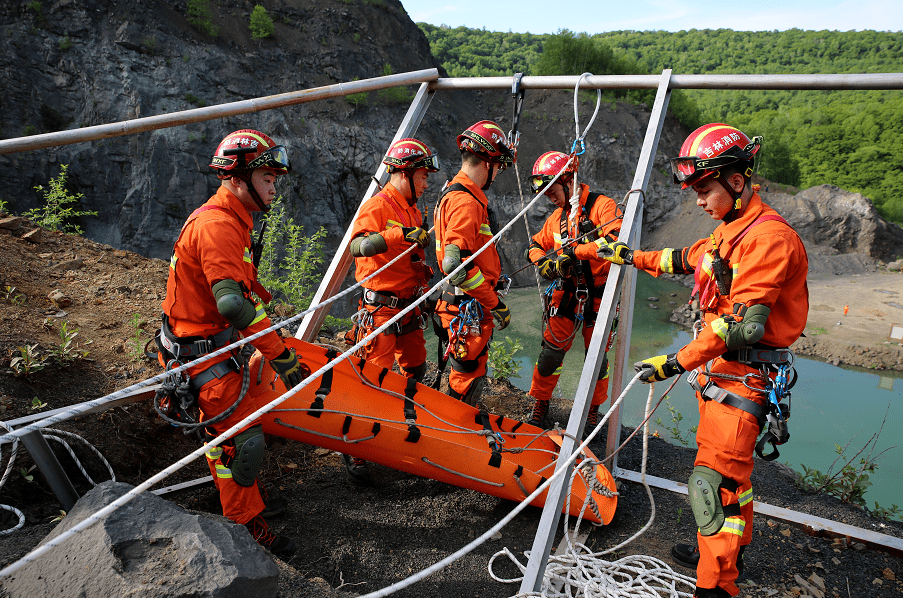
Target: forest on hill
(852,139)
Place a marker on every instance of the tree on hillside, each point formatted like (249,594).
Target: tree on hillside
(569,53)
(261,23)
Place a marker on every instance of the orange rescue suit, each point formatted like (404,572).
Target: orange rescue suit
(215,244)
(462,219)
(769,264)
(386,213)
(559,331)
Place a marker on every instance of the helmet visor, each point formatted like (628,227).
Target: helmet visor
(431,163)
(276,158)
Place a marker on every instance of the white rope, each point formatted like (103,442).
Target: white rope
(505,520)
(579,572)
(52,435)
(134,492)
(9,469)
(578,140)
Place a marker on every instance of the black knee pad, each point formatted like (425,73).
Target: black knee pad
(549,360)
(249,450)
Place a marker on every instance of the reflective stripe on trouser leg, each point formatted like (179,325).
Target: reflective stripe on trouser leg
(240,503)
(726,438)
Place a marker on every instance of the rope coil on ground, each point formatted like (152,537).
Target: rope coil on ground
(579,572)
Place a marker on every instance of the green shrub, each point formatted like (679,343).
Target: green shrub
(261,23)
(290,261)
(38,11)
(357,99)
(57,209)
(65,43)
(199,16)
(30,130)
(501,359)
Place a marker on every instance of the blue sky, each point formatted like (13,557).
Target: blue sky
(595,16)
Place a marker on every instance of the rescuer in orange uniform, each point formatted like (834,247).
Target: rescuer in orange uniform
(469,304)
(578,272)
(751,285)
(387,225)
(209,303)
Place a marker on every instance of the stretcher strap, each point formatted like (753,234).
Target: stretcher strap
(325,386)
(410,413)
(495,460)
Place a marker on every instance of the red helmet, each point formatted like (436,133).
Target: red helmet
(487,141)
(547,166)
(246,150)
(709,148)
(410,154)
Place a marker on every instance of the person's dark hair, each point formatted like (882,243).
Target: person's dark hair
(738,167)
(469,158)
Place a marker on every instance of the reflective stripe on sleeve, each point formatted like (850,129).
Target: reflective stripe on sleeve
(745,497)
(247,256)
(666,264)
(172,261)
(485,230)
(720,327)
(259,315)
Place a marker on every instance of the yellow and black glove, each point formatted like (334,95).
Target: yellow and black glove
(502,315)
(415,234)
(658,368)
(616,253)
(564,264)
(292,371)
(546,267)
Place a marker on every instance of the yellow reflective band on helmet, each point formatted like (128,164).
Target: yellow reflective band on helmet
(695,147)
(665,264)
(733,525)
(485,230)
(473,282)
(720,327)
(173,260)
(247,256)
(259,315)
(391,223)
(745,497)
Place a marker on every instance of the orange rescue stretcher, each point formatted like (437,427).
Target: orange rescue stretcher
(366,411)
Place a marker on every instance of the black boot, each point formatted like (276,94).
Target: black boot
(688,556)
(358,470)
(540,410)
(713,593)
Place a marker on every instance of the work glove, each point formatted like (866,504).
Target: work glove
(658,368)
(564,264)
(289,368)
(415,234)
(616,253)
(546,267)
(502,315)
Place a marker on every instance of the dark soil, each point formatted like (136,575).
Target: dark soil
(350,538)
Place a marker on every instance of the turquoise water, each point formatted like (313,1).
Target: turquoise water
(830,405)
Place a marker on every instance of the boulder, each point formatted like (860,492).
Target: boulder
(148,548)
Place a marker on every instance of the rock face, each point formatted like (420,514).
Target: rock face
(148,548)
(84,62)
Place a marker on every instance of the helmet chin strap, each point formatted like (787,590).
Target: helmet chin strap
(488,182)
(734,212)
(253,191)
(409,177)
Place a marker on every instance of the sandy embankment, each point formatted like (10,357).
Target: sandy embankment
(862,336)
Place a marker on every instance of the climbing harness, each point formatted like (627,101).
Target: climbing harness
(468,321)
(778,414)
